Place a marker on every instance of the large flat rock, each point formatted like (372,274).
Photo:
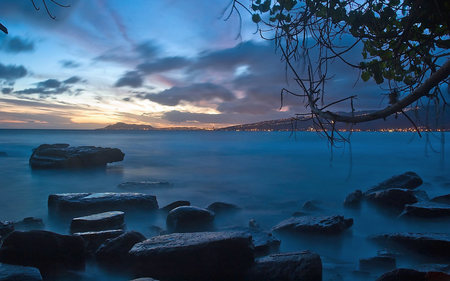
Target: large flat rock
(63,156)
(406,274)
(408,180)
(427,210)
(189,219)
(194,256)
(9,272)
(116,250)
(97,222)
(393,198)
(93,239)
(312,224)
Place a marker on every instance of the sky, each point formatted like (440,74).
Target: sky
(162,62)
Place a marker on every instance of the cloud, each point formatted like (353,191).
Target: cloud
(72,80)
(52,87)
(49,83)
(69,64)
(192,93)
(12,72)
(147,50)
(131,78)
(163,64)
(7,90)
(16,45)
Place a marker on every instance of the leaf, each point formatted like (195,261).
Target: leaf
(365,76)
(256,18)
(3,28)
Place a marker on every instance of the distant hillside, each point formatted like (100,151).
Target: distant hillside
(134,127)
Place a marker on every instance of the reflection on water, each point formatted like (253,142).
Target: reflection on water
(269,175)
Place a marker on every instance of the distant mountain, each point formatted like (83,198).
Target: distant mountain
(424,118)
(135,127)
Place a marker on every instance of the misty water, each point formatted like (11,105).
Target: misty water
(268,174)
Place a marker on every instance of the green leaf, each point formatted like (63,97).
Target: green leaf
(365,76)
(256,18)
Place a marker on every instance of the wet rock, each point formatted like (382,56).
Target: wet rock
(6,228)
(222,207)
(392,198)
(253,224)
(189,219)
(312,205)
(403,274)
(9,272)
(58,156)
(381,263)
(194,256)
(92,202)
(427,210)
(144,279)
(298,266)
(133,185)
(116,250)
(408,180)
(433,267)
(353,199)
(174,205)
(29,223)
(421,195)
(430,244)
(93,240)
(264,243)
(97,222)
(43,249)
(310,224)
(443,199)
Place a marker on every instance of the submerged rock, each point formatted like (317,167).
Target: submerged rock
(427,210)
(403,274)
(297,266)
(92,202)
(310,224)
(133,185)
(353,199)
(430,244)
(43,249)
(97,222)
(264,243)
(379,263)
(93,240)
(312,205)
(392,198)
(194,256)
(116,250)
(444,199)
(408,180)
(189,219)
(176,204)
(222,207)
(57,156)
(9,272)
(29,223)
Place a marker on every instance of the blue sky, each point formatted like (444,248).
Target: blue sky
(158,62)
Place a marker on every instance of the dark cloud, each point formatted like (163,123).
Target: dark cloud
(49,83)
(53,87)
(72,80)
(131,78)
(69,64)
(12,72)
(192,93)
(16,45)
(147,50)
(163,64)
(7,90)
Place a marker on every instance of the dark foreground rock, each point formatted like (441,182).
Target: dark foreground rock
(403,274)
(444,199)
(194,256)
(264,243)
(62,156)
(408,180)
(93,240)
(310,224)
(29,223)
(353,199)
(189,219)
(97,222)
(392,198)
(176,204)
(43,249)
(6,228)
(144,279)
(430,244)
(9,272)
(133,185)
(427,210)
(222,207)
(98,202)
(381,263)
(116,250)
(299,266)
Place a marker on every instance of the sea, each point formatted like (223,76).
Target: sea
(270,175)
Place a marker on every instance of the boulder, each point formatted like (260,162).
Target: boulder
(194,256)
(298,266)
(29,223)
(427,210)
(144,279)
(97,202)
(6,228)
(264,243)
(222,207)
(311,205)
(392,198)
(353,199)
(310,224)
(93,240)
(174,205)
(116,250)
(443,199)
(43,249)
(430,244)
(9,272)
(408,180)
(403,274)
(62,156)
(133,185)
(189,219)
(381,263)
(97,222)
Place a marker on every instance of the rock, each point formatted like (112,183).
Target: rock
(97,222)
(430,244)
(408,180)
(427,210)
(174,205)
(264,243)
(93,240)
(222,207)
(97,202)
(298,266)
(421,195)
(253,225)
(43,249)
(133,185)
(29,223)
(189,219)
(312,205)
(156,230)
(381,263)
(194,256)
(310,224)
(392,198)
(116,250)
(9,272)
(6,228)
(353,199)
(444,199)
(403,274)
(144,279)
(62,156)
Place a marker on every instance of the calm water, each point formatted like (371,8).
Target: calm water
(269,174)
